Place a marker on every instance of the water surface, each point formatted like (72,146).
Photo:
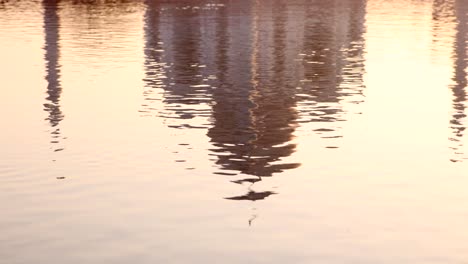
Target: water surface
(233,131)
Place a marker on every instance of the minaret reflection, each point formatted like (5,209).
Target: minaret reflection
(457,123)
(52,54)
(333,61)
(445,14)
(253,114)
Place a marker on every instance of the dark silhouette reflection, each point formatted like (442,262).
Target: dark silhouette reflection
(257,69)
(444,13)
(52,54)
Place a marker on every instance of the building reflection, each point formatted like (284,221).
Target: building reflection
(444,14)
(253,114)
(256,69)
(52,55)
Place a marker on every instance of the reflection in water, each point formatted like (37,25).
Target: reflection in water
(442,23)
(269,84)
(333,62)
(174,62)
(236,63)
(459,87)
(154,67)
(52,54)
(99,35)
(253,114)
(444,14)
(252,196)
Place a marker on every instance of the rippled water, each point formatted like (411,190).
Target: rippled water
(267,131)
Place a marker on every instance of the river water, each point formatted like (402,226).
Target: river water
(268,131)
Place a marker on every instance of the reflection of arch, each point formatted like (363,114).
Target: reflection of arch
(52,54)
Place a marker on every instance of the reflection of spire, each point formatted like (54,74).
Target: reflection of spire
(54,90)
(460,75)
(444,15)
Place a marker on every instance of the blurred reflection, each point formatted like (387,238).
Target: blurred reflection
(250,66)
(52,54)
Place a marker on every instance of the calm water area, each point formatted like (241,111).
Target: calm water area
(221,131)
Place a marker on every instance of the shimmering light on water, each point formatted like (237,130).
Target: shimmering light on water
(233,131)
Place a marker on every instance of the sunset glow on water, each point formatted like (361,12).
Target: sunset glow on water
(233,131)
